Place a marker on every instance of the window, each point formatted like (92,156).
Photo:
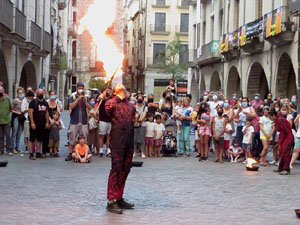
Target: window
(160,22)
(36,11)
(74,83)
(184,3)
(198,35)
(184,56)
(74,48)
(184,22)
(74,17)
(159,51)
(221,22)
(161,2)
(204,38)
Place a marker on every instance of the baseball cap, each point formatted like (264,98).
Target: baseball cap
(80,84)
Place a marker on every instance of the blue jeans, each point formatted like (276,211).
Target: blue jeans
(17,129)
(184,137)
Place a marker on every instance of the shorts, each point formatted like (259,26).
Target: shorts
(297,142)
(219,142)
(53,143)
(158,143)
(77,130)
(226,144)
(37,135)
(104,128)
(246,146)
(26,129)
(204,131)
(263,137)
(149,141)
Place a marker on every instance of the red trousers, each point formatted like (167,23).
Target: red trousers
(121,157)
(285,153)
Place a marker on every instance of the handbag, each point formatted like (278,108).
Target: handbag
(21,118)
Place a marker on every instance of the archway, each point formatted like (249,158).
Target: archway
(233,82)
(28,76)
(3,72)
(286,78)
(257,82)
(194,90)
(215,83)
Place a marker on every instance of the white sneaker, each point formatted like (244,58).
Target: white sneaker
(15,151)
(277,163)
(21,154)
(108,151)
(26,152)
(272,163)
(10,154)
(291,167)
(143,155)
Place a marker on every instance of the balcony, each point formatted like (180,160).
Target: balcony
(161,3)
(6,16)
(192,2)
(18,34)
(278,28)
(72,67)
(160,30)
(183,4)
(47,39)
(209,54)
(251,39)
(229,45)
(33,37)
(72,29)
(182,30)
(62,4)
(294,7)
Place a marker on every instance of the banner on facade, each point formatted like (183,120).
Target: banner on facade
(182,88)
(278,20)
(243,35)
(215,46)
(269,24)
(254,28)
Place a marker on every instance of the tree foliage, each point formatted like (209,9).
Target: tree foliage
(98,83)
(169,62)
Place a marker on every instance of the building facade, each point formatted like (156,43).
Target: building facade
(243,47)
(151,25)
(25,43)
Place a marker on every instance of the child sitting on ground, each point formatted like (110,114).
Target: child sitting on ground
(235,151)
(81,151)
(54,137)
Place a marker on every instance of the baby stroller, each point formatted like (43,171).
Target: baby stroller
(169,147)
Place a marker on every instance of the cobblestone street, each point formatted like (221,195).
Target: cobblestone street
(165,191)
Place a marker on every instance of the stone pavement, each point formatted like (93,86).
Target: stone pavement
(165,191)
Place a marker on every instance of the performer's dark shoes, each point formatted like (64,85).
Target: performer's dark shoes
(277,171)
(114,208)
(125,205)
(284,172)
(69,157)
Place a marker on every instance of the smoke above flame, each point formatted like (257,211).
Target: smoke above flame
(99,17)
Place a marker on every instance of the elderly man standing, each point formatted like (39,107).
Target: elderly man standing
(39,122)
(78,105)
(122,113)
(5,121)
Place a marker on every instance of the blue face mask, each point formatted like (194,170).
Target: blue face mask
(293,100)
(226,105)
(92,103)
(21,95)
(244,104)
(53,97)
(256,98)
(234,97)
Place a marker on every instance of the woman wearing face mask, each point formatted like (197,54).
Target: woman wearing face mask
(228,110)
(140,126)
(241,115)
(168,106)
(293,103)
(285,112)
(18,120)
(93,136)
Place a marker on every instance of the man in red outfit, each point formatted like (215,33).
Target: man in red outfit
(286,141)
(122,113)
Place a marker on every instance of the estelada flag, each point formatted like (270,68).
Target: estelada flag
(269,23)
(278,20)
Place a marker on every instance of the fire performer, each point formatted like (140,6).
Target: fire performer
(286,141)
(122,113)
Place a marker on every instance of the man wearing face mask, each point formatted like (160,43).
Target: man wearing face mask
(5,121)
(105,123)
(214,103)
(257,101)
(123,114)
(78,105)
(152,107)
(39,122)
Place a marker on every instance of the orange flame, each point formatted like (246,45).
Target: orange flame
(99,17)
(250,162)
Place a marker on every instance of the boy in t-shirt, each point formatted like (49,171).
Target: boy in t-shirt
(81,151)
(248,131)
(159,131)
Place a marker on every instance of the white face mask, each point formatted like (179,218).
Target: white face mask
(80,91)
(215,98)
